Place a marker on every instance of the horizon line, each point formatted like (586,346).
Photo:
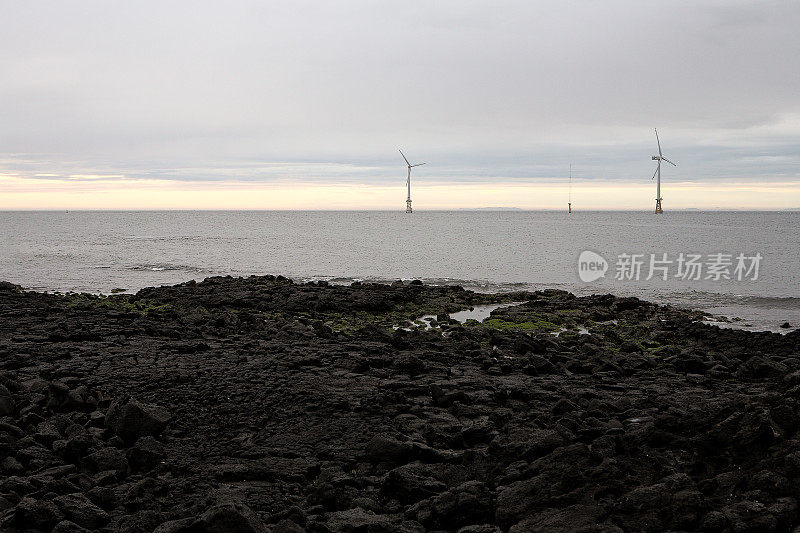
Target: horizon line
(385,210)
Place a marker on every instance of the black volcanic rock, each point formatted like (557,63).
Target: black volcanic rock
(259,404)
(131,419)
(145,454)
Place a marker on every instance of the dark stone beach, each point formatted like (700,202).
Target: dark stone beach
(258,404)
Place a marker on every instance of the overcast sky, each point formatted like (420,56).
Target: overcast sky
(327,91)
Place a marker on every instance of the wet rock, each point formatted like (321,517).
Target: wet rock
(57,395)
(278,401)
(36,457)
(382,449)
(231,516)
(82,511)
(287,526)
(672,503)
(293,514)
(526,443)
(478,432)
(11,466)
(356,520)
(750,515)
(563,406)
(183,525)
(468,503)
(410,364)
(541,365)
(559,474)
(758,367)
(331,497)
(575,518)
(713,522)
(47,432)
(7,403)
(792,379)
(97,419)
(39,514)
(142,493)
(104,497)
(132,419)
(443,398)
(105,459)
(691,364)
(66,526)
(629,347)
(480,528)
(145,454)
(755,431)
(411,483)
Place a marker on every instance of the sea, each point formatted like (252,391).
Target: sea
(742,268)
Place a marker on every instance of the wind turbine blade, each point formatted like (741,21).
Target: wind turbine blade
(654,174)
(659,143)
(418,165)
(670,162)
(404,157)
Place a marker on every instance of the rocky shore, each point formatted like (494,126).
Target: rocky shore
(261,405)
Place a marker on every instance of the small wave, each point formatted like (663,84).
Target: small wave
(720,298)
(181,238)
(160,267)
(484,286)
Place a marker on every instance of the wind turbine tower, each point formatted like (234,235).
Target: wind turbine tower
(408,182)
(660,157)
(570,189)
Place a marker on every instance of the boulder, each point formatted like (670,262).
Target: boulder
(38,514)
(228,517)
(57,395)
(184,525)
(358,519)
(383,449)
(11,466)
(78,508)
(480,528)
(467,504)
(287,526)
(67,526)
(411,483)
(132,419)
(145,454)
(7,403)
(758,367)
(575,518)
(105,459)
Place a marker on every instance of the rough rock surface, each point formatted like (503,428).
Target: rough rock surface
(263,405)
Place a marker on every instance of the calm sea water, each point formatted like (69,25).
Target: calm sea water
(485,250)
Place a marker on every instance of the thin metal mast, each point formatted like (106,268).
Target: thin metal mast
(570,189)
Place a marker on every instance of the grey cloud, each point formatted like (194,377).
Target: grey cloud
(200,90)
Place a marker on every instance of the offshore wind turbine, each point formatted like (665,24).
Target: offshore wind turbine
(408,181)
(570,189)
(660,157)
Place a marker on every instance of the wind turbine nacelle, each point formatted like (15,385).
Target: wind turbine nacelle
(655,158)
